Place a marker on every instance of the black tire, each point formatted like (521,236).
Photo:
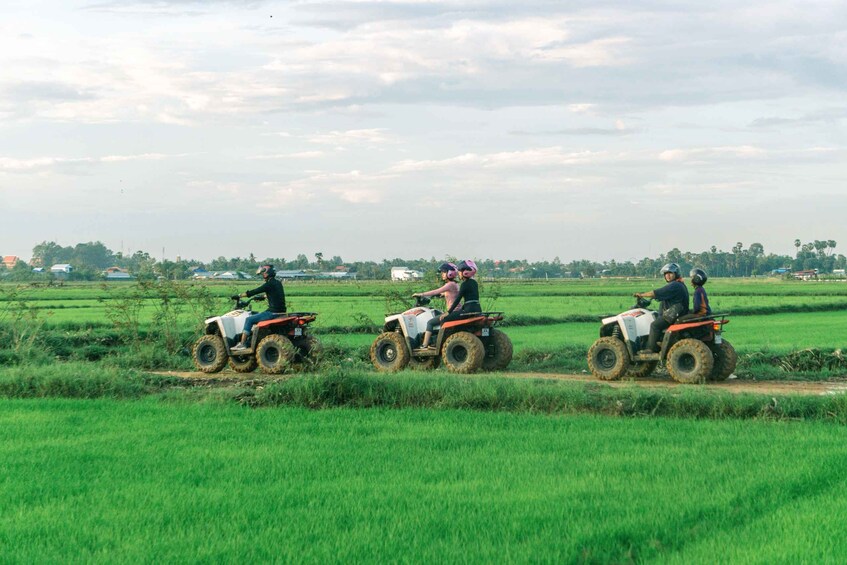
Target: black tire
(608,358)
(243,363)
(690,361)
(275,354)
(725,361)
(641,369)
(389,352)
(498,351)
(424,363)
(209,354)
(462,352)
(308,349)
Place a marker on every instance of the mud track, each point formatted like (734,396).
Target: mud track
(737,386)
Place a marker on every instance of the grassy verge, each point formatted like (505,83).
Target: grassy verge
(351,388)
(105,481)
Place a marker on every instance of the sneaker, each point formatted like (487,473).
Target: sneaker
(239,347)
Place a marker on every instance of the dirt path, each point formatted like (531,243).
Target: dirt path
(809,388)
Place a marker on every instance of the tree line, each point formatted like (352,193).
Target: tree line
(92,258)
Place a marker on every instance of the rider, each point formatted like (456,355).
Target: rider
(468,290)
(701,301)
(450,290)
(276,302)
(674,298)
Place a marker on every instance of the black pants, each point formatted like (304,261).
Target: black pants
(466,309)
(656,328)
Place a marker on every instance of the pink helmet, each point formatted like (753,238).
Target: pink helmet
(465,266)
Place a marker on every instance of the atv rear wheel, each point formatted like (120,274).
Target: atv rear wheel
(275,354)
(389,352)
(690,361)
(641,369)
(725,361)
(498,351)
(463,352)
(210,354)
(608,359)
(308,349)
(243,363)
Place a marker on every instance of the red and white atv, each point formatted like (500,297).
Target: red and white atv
(692,349)
(276,344)
(464,345)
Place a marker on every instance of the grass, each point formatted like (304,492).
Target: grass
(109,481)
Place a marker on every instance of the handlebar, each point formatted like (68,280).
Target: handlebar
(243,303)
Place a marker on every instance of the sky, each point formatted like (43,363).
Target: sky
(601,129)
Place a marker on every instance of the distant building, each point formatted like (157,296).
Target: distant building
(811,274)
(61,270)
(199,273)
(405,274)
(337,275)
(117,274)
(230,275)
(9,261)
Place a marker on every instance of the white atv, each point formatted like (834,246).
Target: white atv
(693,349)
(464,345)
(274,346)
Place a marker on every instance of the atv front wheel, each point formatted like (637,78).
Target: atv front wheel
(498,351)
(463,352)
(725,361)
(690,361)
(389,352)
(608,359)
(243,363)
(210,354)
(275,354)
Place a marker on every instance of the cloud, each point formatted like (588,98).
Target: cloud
(702,154)
(58,164)
(298,155)
(355,136)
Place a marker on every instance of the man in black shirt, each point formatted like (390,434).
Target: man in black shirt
(276,302)
(674,298)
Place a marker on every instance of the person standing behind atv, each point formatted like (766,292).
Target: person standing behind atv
(276,302)
(674,298)
(701,301)
(450,291)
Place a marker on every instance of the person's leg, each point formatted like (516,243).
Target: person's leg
(430,327)
(248,326)
(656,328)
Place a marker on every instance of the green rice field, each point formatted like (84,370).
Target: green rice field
(116,481)
(106,456)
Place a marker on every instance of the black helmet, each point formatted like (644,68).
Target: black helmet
(449,269)
(698,276)
(266,269)
(671,268)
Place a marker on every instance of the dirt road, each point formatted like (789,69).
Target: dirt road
(738,386)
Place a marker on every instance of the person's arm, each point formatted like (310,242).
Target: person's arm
(435,292)
(258,290)
(462,290)
(700,304)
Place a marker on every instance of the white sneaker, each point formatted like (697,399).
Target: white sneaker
(239,347)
